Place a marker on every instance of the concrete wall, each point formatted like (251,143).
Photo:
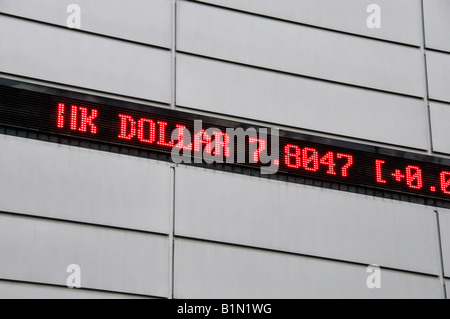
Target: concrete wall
(144,228)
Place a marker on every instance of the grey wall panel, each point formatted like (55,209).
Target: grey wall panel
(207,270)
(303,219)
(19,290)
(447,287)
(440,129)
(344,15)
(438,68)
(437,24)
(69,57)
(444,223)
(226,88)
(143,21)
(63,182)
(298,49)
(40,251)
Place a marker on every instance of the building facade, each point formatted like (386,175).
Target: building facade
(375,73)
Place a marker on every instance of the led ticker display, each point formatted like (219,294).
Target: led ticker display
(368,169)
(92,118)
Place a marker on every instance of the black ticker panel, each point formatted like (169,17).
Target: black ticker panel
(201,138)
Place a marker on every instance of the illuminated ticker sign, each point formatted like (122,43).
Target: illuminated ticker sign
(86,117)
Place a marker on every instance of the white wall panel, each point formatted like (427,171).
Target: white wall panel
(437,24)
(207,270)
(444,223)
(344,15)
(39,251)
(303,219)
(226,88)
(64,182)
(298,49)
(19,290)
(440,113)
(143,21)
(438,70)
(69,57)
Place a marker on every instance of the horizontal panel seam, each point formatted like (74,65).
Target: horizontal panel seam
(358,35)
(81,223)
(437,51)
(69,86)
(264,249)
(87,289)
(298,75)
(438,101)
(281,125)
(106,36)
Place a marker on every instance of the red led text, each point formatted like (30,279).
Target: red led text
(81,118)
(309,159)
